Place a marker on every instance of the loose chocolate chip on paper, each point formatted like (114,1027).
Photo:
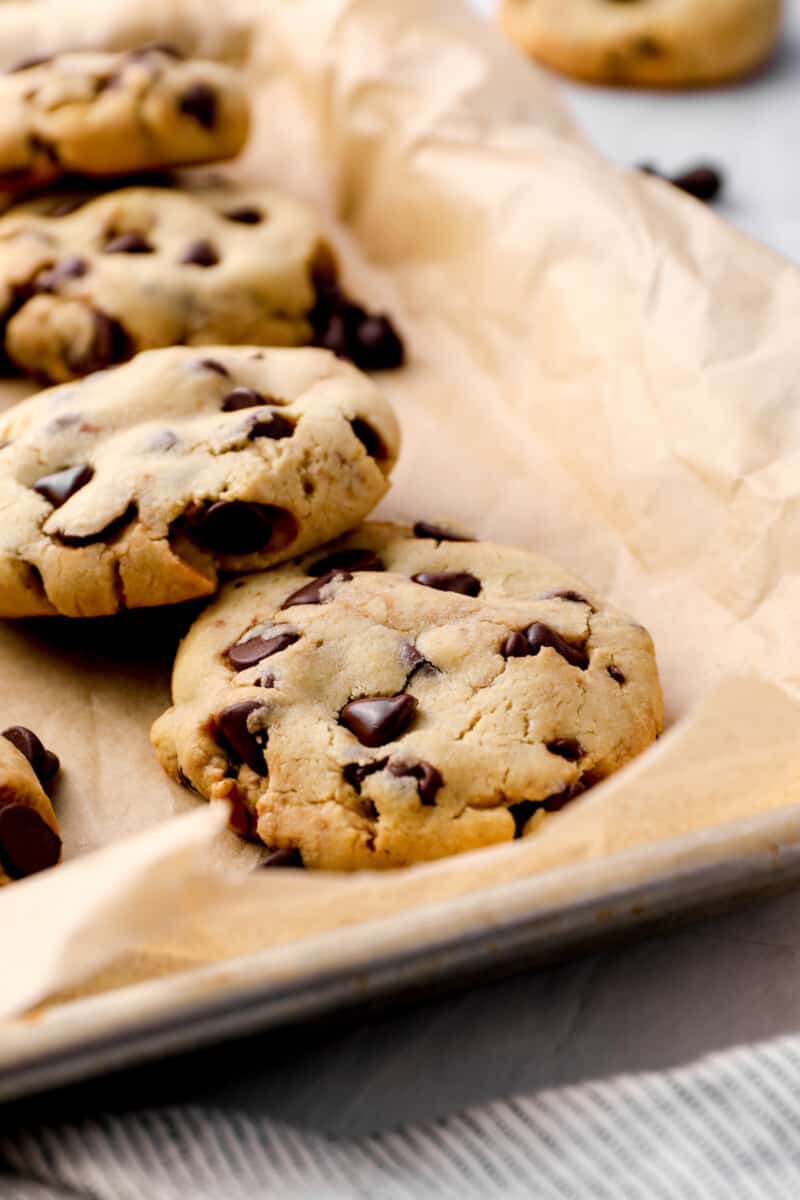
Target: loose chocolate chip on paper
(346,560)
(376,720)
(273,426)
(540,635)
(429,780)
(128,243)
(245,215)
(200,254)
(702,182)
(617,675)
(450,581)
(236,527)
(27,843)
(356,773)
(247,745)
(283,858)
(58,487)
(568,748)
(255,649)
(243,397)
(200,101)
(438,533)
(45,764)
(311,593)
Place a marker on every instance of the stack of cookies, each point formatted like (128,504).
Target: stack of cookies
(362,695)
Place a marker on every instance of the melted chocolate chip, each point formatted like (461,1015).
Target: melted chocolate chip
(346,560)
(555,803)
(58,487)
(110,344)
(273,426)
(283,858)
(236,527)
(423,530)
(540,635)
(370,439)
(450,581)
(128,243)
(617,675)
(429,780)
(243,397)
(45,764)
(245,215)
(568,748)
(570,596)
(235,733)
(72,267)
(256,649)
(211,364)
(200,101)
(200,254)
(311,593)
(515,646)
(356,773)
(417,663)
(522,813)
(377,720)
(27,843)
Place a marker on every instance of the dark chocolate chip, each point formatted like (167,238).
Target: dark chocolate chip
(377,720)
(515,646)
(200,101)
(346,560)
(702,182)
(255,649)
(58,487)
(370,439)
(568,748)
(522,813)
(110,344)
(540,635)
(200,254)
(555,803)
(572,597)
(423,530)
(211,364)
(356,773)
(45,764)
(450,581)
(128,243)
(243,397)
(265,681)
(236,527)
(27,843)
(238,738)
(245,216)
(106,534)
(273,426)
(429,780)
(617,675)
(311,593)
(72,267)
(163,441)
(416,663)
(376,345)
(283,858)
(26,64)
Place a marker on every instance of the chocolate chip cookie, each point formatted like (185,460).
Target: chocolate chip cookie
(29,836)
(87,281)
(113,114)
(136,486)
(672,43)
(401,695)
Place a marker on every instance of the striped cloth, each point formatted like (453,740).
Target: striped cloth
(725,1129)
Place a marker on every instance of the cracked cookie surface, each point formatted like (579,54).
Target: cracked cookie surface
(88,281)
(29,834)
(101,115)
(135,487)
(400,696)
(669,43)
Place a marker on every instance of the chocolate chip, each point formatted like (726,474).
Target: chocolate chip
(26,64)
(377,720)
(45,764)
(370,439)
(245,216)
(522,813)
(72,267)
(184,781)
(450,581)
(105,534)
(570,596)
(243,397)
(128,243)
(58,487)
(617,675)
(515,646)
(429,780)
(568,748)
(346,560)
(211,364)
(423,530)
(27,843)
(255,649)
(265,681)
(377,345)
(162,442)
(236,527)
(200,254)
(271,426)
(283,858)
(239,739)
(356,773)
(555,803)
(540,635)
(200,101)
(311,593)
(702,182)
(110,344)
(416,663)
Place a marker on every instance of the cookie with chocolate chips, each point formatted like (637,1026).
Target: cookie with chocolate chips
(138,486)
(100,115)
(668,43)
(402,695)
(29,836)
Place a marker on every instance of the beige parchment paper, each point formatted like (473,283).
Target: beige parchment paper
(601,370)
